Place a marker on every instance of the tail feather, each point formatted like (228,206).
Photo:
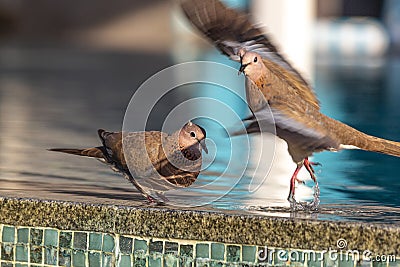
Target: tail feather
(94,152)
(383,146)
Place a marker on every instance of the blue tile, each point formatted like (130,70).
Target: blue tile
(139,258)
(36,237)
(51,237)
(171,260)
(64,257)
(36,254)
(65,239)
(249,253)
(50,256)
(8,234)
(21,253)
(94,259)
(80,240)
(155,246)
(108,243)
(78,258)
(232,253)
(140,245)
(202,251)
(108,260)
(394,263)
(7,252)
(171,248)
(125,261)
(154,262)
(126,244)
(217,251)
(23,235)
(95,241)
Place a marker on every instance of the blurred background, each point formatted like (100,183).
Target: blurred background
(67,69)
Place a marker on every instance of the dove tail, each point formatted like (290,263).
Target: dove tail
(94,152)
(355,139)
(384,146)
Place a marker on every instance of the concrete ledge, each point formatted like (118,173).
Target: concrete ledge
(226,227)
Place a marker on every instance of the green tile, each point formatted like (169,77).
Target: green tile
(186,250)
(330,261)
(171,260)
(314,260)
(23,235)
(202,251)
(36,237)
(50,256)
(186,255)
(21,253)
(140,245)
(125,261)
(65,239)
(7,252)
(126,244)
(395,263)
(249,253)
(94,259)
(64,257)
(217,251)
(139,257)
(21,265)
(232,253)
(6,264)
(78,258)
(108,243)
(155,246)
(8,234)
(171,248)
(80,240)
(95,241)
(36,254)
(155,262)
(50,237)
(345,262)
(108,260)
(379,264)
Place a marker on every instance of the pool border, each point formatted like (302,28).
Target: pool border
(210,226)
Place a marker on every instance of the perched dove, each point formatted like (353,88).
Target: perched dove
(272,81)
(152,161)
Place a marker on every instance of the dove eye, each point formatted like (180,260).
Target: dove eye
(255,59)
(192,134)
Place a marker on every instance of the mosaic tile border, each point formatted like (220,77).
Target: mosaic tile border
(222,226)
(36,246)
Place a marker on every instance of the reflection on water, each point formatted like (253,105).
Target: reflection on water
(59,98)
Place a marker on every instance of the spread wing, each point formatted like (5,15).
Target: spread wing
(231,31)
(297,123)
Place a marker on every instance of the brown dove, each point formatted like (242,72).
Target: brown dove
(152,161)
(276,92)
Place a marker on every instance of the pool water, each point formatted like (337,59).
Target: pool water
(59,97)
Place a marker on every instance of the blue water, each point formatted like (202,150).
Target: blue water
(59,97)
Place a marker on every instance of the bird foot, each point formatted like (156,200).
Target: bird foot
(304,205)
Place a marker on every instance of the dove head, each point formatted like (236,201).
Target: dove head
(251,64)
(192,136)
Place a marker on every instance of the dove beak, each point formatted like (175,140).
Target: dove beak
(203,145)
(242,67)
